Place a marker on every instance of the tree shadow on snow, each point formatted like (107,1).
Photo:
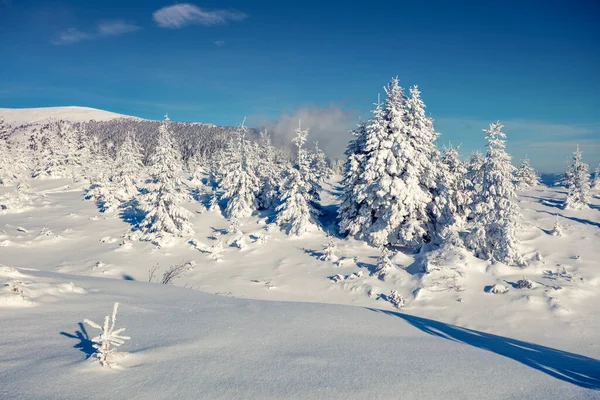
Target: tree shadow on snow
(132,213)
(569,367)
(580,220)
(85,344)
(547,201)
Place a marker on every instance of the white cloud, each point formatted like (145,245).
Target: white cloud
(116,28)
(328,125)
(71,36)
(180,15)
(103,29)
(219,43)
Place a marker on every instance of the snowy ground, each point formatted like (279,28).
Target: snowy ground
(527,343)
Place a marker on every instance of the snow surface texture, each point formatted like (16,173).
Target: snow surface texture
(452,339)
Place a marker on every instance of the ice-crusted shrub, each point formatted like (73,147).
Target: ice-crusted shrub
(384,265)
(557,230)
(329,251)
(107,342)
(498,289)
(525,284)
(396,299)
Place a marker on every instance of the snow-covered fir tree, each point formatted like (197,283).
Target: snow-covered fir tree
(8,174)
(475,170)
(239,182)
(578,184)
(526,176)
(320,164)
(352,170)
(596,181)
(299,208)
(329,251)
(165,192)
(557,229)
(394,190)
(453,195)
(269,172)
(128,165)
(384,265)
(496,215)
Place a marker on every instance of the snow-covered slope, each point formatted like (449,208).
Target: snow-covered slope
(186,344)
(17,116)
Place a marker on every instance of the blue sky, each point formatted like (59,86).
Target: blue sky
(531,64)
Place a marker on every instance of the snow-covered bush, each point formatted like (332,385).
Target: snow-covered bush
(329,251)
(557,230)
(384,265)
(107,342)
(498,289)
(396,299)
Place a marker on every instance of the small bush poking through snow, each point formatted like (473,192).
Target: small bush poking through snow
(107,342)
(525,284)
(557,230)
(396,299)
(329,251)
(498,289)
(384,265)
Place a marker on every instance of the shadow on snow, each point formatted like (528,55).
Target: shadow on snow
(569,367)
(85,344)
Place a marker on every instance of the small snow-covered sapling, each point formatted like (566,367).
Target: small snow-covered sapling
(396,299)
(329,251)
(107,342)
(384,265)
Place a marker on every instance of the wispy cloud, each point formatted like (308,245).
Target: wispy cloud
(180,15)
(219,43)
(116,28)
(103,29)
(71,36)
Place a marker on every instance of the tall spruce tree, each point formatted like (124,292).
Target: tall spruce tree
(496,215)
(299,209)
(165,192)
(578,183)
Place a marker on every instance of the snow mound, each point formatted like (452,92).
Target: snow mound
(20,290)
(17,116)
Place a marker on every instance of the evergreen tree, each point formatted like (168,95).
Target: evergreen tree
(128,164)
(353,168)
(320,164)
(496,214)
(475,170)
(165,192)
(299,208)
(394,190)
(239,181)
(268,171)
(578,183)
(596,182)
(526,175)
(452,199)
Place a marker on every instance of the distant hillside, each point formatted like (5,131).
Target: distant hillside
(18,116)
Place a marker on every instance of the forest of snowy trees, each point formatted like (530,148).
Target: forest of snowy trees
(398,188)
